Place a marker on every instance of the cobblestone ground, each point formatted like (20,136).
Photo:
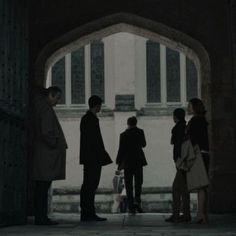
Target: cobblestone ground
(117,225)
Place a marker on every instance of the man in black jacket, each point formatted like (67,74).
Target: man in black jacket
(180,193)
(131,157)
(93,156)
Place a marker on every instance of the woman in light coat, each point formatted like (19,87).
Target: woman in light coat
(197,131)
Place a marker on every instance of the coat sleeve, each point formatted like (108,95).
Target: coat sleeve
(120,155)
(49,134)
(143,140)
(179,138)
(91,139)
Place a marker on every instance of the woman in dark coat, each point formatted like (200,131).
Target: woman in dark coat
(197,131)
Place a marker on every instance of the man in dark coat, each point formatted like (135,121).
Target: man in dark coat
(131,157)
(49,157)
(93,156)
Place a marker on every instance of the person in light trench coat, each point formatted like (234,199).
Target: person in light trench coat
(49,156)
(197,131)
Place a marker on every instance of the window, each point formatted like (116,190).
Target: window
(80,74)
(153,72)
(191,79)
(97,69)
(78,77)
(58,77)
(173,75)
(172,78)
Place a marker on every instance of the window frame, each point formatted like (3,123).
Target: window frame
(163,83)
(68,85)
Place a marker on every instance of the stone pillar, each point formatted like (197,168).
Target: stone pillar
(124,72)
(140,72)
(109,57)
(124,80)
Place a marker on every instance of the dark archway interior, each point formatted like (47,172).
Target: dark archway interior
(29,26)
(188,20)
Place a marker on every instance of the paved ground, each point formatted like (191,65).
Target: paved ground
(118,224)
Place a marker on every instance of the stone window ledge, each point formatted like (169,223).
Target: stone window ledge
(76,190)
(149,110)
(159,110)
(75,111)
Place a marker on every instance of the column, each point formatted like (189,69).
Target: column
(163,75)
(140,72)
(109,73)
(87,73)
(183,86)
(68,78)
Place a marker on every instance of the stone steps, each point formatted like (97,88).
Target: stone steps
(66,200)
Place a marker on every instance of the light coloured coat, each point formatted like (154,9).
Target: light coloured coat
(49,157)
(191,161)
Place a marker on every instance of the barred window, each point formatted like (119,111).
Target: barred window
(191,79)
(78,77)
(80,74)
(58,77)
(153,72)
(97,68)
(171,76)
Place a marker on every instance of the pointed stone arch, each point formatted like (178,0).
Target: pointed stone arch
(126,22)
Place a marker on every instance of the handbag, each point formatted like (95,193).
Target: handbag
(197,176)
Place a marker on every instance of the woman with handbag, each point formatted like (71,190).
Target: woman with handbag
(197,131)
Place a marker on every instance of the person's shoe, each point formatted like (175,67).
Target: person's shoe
(46,221)
(138,208)
(200,221)
(173,219)
(184,218)
(132,212)
(92,218)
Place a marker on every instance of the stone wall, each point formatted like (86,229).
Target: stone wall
(160,170)
(158,200)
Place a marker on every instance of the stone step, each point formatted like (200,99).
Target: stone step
(67,200)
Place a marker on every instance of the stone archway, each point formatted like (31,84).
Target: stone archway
(132,24)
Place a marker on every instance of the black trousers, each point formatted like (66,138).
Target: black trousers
(136,174)
(92,174)
(180,194)
(41,199)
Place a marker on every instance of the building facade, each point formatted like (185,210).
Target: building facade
(134,76)
(35,33)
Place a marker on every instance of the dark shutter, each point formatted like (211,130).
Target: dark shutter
(13,103)
(173,75)
(153,72)
(97,69)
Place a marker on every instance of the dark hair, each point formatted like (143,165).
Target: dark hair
(53,90)
(179,113)
(132,121)
(94,101)
(198,106)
